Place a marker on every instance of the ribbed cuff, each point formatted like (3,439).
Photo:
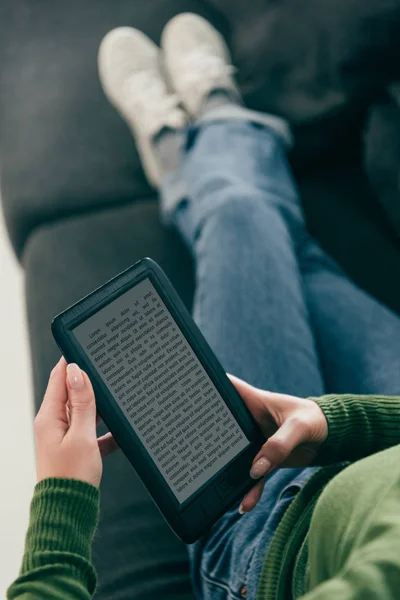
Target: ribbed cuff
(339,428)
(358,426)
(63,518)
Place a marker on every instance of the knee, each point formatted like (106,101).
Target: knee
(232,205)
(240,209)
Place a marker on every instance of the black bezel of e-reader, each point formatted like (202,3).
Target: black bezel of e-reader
(195,515)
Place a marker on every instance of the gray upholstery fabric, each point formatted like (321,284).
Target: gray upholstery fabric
(135,553)
(307,60)
(63,148)
(70,258)
(382,154)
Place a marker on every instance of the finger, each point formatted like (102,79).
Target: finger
(81,401)
(68,410)
(98,419)
(253,397)
(249,392)
(278,447)
(252,497)
(244,389)
(107,444)
(55,398)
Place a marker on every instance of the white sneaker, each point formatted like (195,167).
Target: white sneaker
(130,73)
(197,60)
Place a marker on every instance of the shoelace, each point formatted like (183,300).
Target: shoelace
(202,64)
(147,93)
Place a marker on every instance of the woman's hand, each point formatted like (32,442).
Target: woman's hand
(294,427)
(65,429)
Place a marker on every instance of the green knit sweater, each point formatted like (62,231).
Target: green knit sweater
(339,539)
(56,562)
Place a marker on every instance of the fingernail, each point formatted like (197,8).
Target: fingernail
(75,377)
(260,468)
(241,509)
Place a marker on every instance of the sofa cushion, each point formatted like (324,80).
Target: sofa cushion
(70,258)
(135,553)
(63,147)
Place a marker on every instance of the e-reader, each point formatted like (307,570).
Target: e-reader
(164,396)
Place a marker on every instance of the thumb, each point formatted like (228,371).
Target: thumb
(81,399)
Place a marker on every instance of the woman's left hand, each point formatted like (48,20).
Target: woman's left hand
(65,429)
(294,428)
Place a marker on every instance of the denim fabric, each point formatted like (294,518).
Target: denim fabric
(277,311)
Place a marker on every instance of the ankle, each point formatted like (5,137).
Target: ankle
(218,98)
(167,147)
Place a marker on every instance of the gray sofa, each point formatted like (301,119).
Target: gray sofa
(79,210)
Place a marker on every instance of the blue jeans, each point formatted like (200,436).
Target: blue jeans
(277,311)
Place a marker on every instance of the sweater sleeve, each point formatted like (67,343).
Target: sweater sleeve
(56,561)
(358,426)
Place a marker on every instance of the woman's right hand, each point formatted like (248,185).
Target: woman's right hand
(295,428)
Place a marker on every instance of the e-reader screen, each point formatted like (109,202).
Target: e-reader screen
(162,388)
